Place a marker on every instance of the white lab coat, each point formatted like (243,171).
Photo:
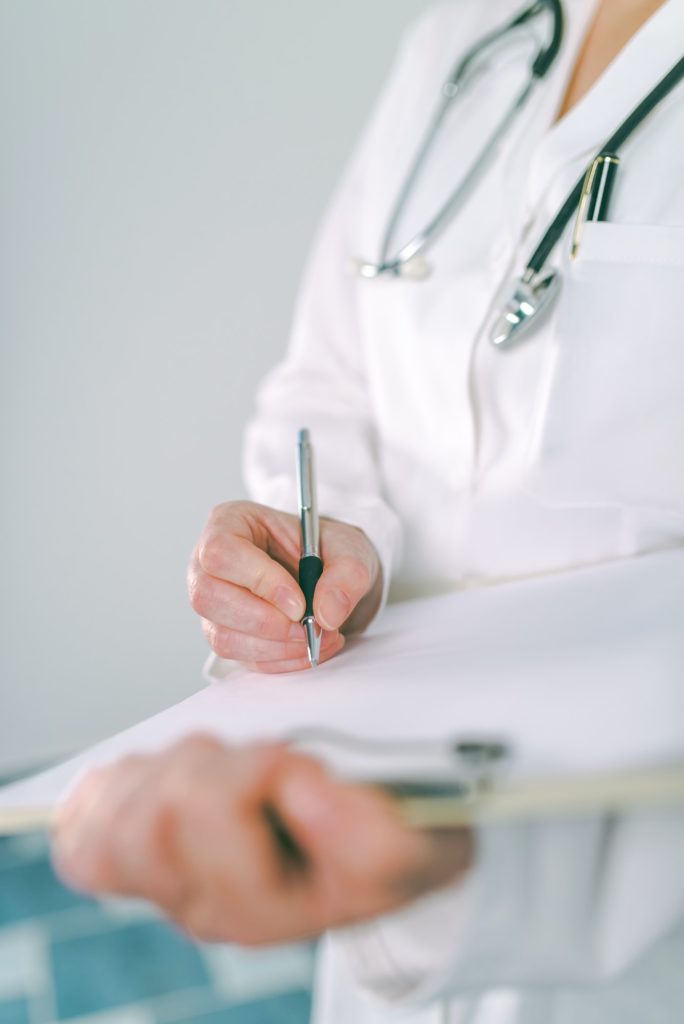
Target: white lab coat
(466,466)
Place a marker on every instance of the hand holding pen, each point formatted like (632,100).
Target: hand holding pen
(243,576)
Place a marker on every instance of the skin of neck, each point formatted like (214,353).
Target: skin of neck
(614,24)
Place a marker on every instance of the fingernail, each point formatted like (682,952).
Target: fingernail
(289,603)
(333,609)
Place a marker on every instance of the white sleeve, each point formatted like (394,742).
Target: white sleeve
(559,903)
(322,383)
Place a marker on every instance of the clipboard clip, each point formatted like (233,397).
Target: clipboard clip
(460,769)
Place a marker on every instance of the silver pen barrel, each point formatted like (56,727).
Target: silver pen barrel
(310,565)
(308,511)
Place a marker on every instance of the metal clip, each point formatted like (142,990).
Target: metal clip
(595,197)
(480,760)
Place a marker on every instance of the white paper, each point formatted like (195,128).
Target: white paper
(581,673)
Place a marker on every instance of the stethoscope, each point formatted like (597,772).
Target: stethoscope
(534,292)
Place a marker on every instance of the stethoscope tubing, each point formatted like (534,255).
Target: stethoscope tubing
(450,91)
(441,219)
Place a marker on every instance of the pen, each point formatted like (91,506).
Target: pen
(597,192)
(310,564)
(602,190)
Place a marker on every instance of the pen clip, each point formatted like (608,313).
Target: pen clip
(308,511)
(304,481)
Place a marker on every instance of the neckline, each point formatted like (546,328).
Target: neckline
(641,63)
(587,28)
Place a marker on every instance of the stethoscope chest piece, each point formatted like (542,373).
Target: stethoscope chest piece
(534,295)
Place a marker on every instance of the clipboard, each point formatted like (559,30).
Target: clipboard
(577,676)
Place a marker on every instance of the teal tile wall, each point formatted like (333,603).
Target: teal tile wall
(66,959)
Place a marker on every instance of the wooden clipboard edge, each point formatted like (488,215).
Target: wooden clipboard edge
(529,800)
(15,821)
(598,794)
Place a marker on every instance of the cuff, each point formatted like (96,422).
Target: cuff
(522,916)
(401,958)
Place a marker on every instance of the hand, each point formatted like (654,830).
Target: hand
(242,580)
(254,845)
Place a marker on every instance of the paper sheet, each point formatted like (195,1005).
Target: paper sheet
(581,673)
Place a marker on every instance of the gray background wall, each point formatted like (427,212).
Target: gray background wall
(162,167)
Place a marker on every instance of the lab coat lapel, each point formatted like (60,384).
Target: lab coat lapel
(635,71)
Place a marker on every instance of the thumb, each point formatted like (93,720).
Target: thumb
(350,569)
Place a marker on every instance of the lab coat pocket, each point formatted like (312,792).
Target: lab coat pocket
(609,424)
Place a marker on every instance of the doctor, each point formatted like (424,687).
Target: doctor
(445,462)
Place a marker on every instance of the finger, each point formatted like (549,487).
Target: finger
(91,829)
(359,837)
(229,553)
(350,567)
(329,648)
(231,644)
(225,847)
(226,604)
(218,768)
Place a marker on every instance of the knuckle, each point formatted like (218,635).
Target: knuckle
(218,512)
(190,810)
(223,643)
(88,786)
(229,509)
(241,506)
(260,626)
(198,591)
(198,743)
(249,617)
(213,634)
(213,551)
(129,766)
